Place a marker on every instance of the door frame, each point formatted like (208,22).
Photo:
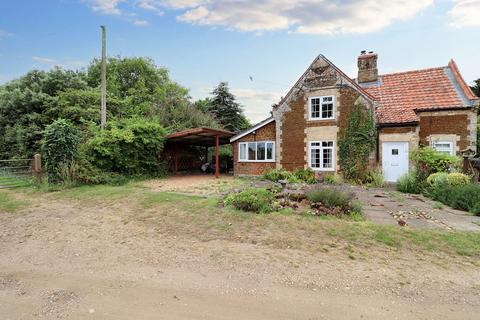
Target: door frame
(384,164)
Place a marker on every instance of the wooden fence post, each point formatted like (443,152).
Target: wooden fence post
(37,166)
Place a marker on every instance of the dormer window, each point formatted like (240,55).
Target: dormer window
(321,108)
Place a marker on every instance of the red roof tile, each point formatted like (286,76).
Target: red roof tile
(400,94)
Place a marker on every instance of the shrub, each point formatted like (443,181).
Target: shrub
(60,146)
(409,183)
(330,197)
(305,175)
(276,175)
(428,161)
(457,178)
(331,178)
(128,147)
(436,178)
(374,178)
(252,199)
(300,175)
(452,179)
(464,197)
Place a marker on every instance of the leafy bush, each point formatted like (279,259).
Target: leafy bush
(252,199)
(428,161)
(299,175)
(409,183)
(60,146)
(374,178)
(452,179)
(89,174)
(128,147)
(464,197)
(437,177)
(331,178)
(457,178)
(330,197)
(305,175)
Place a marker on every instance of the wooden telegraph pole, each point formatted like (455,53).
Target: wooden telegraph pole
(103,120)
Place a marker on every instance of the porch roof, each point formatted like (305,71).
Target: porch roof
(200,137)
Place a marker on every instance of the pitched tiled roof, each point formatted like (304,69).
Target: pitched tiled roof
(400,94)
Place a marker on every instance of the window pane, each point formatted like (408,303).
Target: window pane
(327,144)
(327,110)
(260,150)
(269,151)
(443,147)
(243,151)
(315,144)
(394,152)
(327,158)
(315,158)
(251,150)
(315,107)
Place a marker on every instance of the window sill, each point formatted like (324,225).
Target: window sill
(321,119)
(322,169)
(256,161)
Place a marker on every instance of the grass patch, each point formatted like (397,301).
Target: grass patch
(203,219)
(9,204)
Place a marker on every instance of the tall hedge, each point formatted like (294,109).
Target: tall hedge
(60,145)
(128,147)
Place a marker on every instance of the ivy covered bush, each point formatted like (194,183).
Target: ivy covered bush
(59,148)
(357,143)
(256,200)
(129,147)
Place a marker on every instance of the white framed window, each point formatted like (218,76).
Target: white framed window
(321,108)
(258,151)
(444,147)
(321,155)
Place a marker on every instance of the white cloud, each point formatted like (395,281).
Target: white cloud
(106,6)
(302,16)
(44,60)
(140,22)
(5,34)
(257,104)
(465,13)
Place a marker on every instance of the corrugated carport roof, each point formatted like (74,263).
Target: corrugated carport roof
(200,137)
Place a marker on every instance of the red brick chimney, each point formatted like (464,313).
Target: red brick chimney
(367,67)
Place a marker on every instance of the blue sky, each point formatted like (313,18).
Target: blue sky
(203,42)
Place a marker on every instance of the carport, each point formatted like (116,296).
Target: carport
(200,137)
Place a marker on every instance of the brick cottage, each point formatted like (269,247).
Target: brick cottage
(433,107)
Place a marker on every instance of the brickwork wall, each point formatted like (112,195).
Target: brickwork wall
(443,123)
(265,133)
(292,138)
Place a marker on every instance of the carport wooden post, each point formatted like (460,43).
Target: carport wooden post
(217,165)
(175,155)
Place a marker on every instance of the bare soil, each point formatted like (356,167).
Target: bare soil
(111,258)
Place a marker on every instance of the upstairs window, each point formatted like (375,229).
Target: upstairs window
(443,147)
(260,151)
(321,108)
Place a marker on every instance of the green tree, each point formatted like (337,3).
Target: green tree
(224,107)
(60,146)
(476,87)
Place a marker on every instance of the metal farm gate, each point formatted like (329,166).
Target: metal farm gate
(18,172)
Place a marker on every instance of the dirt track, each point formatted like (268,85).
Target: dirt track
(65,260)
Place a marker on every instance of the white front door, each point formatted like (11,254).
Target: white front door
(394,160)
